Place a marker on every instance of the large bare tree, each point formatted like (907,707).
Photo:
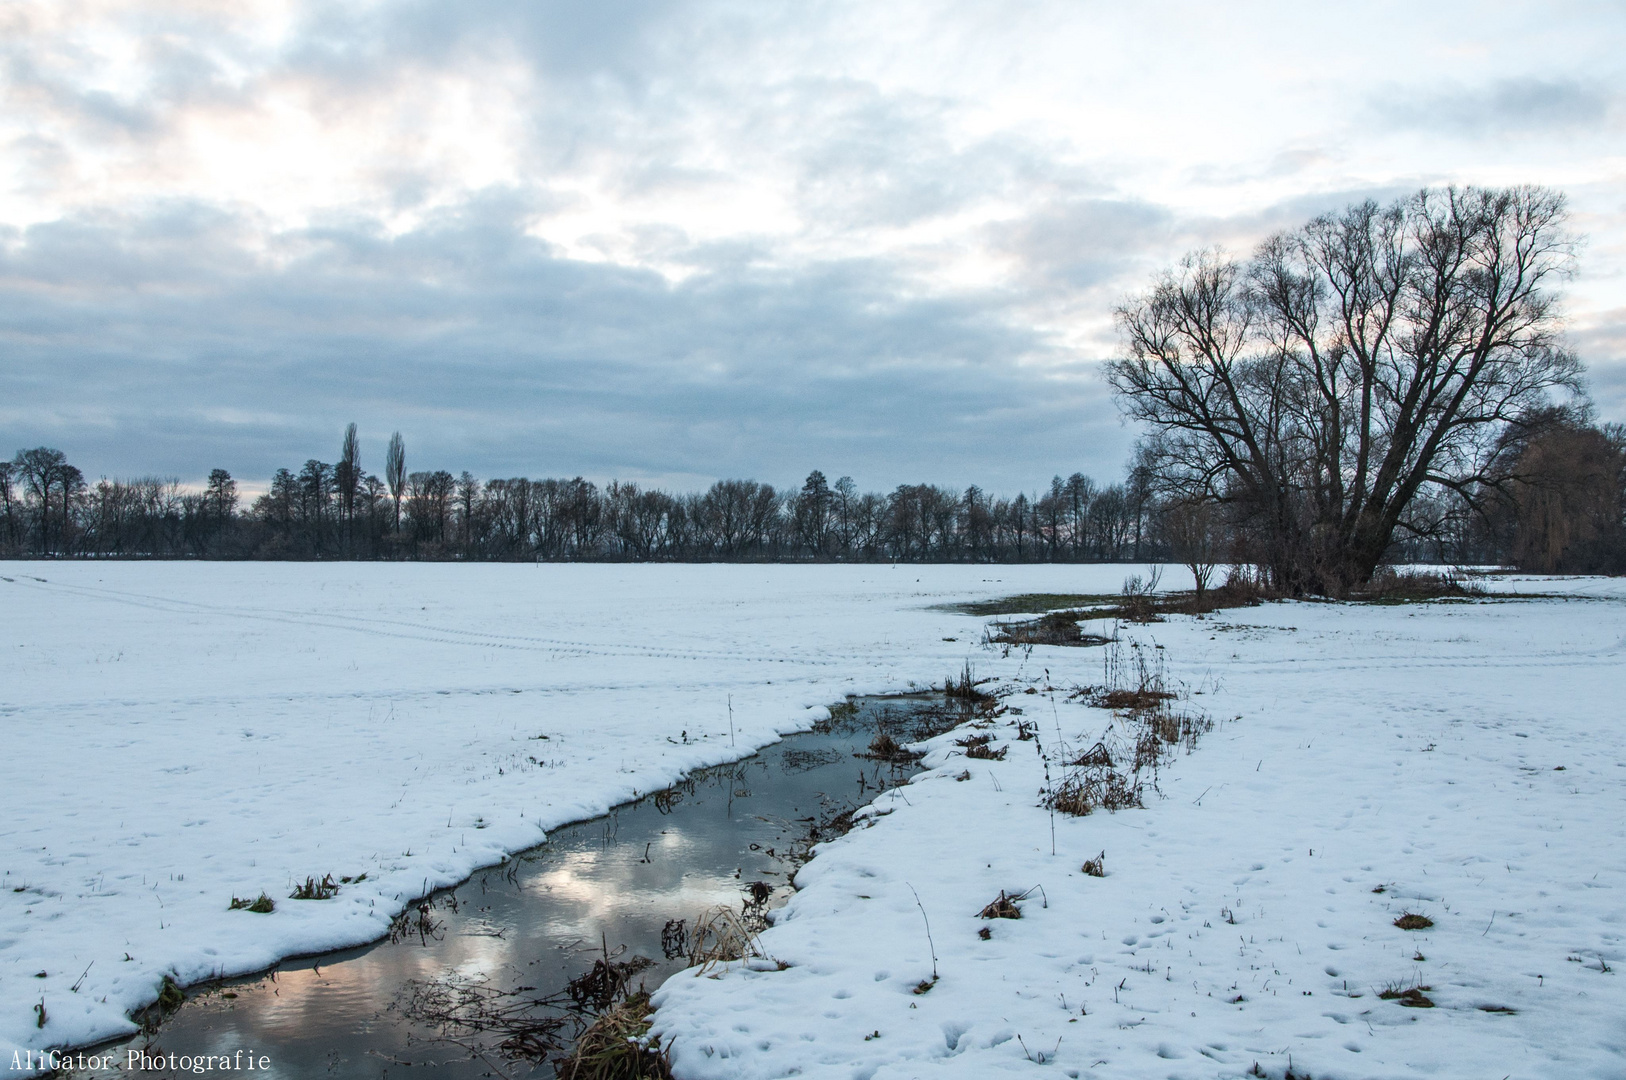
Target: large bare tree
(1320,386)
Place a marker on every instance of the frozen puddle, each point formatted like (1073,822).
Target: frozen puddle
(542,918)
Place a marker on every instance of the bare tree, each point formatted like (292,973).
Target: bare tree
(1320,386)
(1570,500)
(41,470)
(395,473)
(1192,529)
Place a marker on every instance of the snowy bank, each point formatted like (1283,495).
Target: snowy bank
(1465,762)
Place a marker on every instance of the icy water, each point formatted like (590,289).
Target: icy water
(545,916)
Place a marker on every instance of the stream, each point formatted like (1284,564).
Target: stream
(613,883)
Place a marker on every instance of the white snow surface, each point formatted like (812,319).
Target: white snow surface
(178,734)
(174,735)
(1468,760)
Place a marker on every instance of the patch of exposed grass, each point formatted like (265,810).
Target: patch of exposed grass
(1412,921)
(1392,586)
(720,936)
(170,996)
(965,688)
(977,746)
(617,1046)
(885,748)
(1412,996)
(1082,793)
(1030,603)
(1056,628)
(261,905)
(1130,699)
(312,889)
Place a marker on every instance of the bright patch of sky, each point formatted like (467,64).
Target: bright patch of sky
(674,241)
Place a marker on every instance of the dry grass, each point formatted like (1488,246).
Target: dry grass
(1025,603)
(1096,867)
(1082,793)
(1053,628)
(261,905)
(885,748)
(326,889)
(964,687)
(1130,699)
(720,936)
(599,1012)
(1004,907)
(977,746)
(617,1046)
(1412,921)
(1096,756)
(1411,996)
(1392,586)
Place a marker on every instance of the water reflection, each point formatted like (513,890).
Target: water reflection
(543,918)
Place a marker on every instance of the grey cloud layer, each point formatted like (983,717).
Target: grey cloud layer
(182,329)
(160,337)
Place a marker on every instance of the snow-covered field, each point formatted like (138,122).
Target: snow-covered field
(176,735)
(1462,762)
(179,734)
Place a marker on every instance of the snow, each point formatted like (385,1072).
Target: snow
(1469,759)
(179,734)
(176,735)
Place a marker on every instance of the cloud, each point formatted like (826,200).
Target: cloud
(687,238)
(492,353)
(1524,104)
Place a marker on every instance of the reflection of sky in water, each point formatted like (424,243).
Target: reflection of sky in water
(539,921)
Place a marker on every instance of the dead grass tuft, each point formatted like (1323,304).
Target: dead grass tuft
(885,748)
(1004,907)
(720,936)
(617,1046)
(1411,996)
(965,689)
(1082,793)
(977,746)
(170,996)
(1096,756)
(326,889)
(260,905)
(1096,867)
(1412,921)
(1053,628)
(1131,700)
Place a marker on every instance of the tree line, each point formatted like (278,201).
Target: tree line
(1554,504)
(341,510)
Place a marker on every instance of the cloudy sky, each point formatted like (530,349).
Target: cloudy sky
(672,241)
